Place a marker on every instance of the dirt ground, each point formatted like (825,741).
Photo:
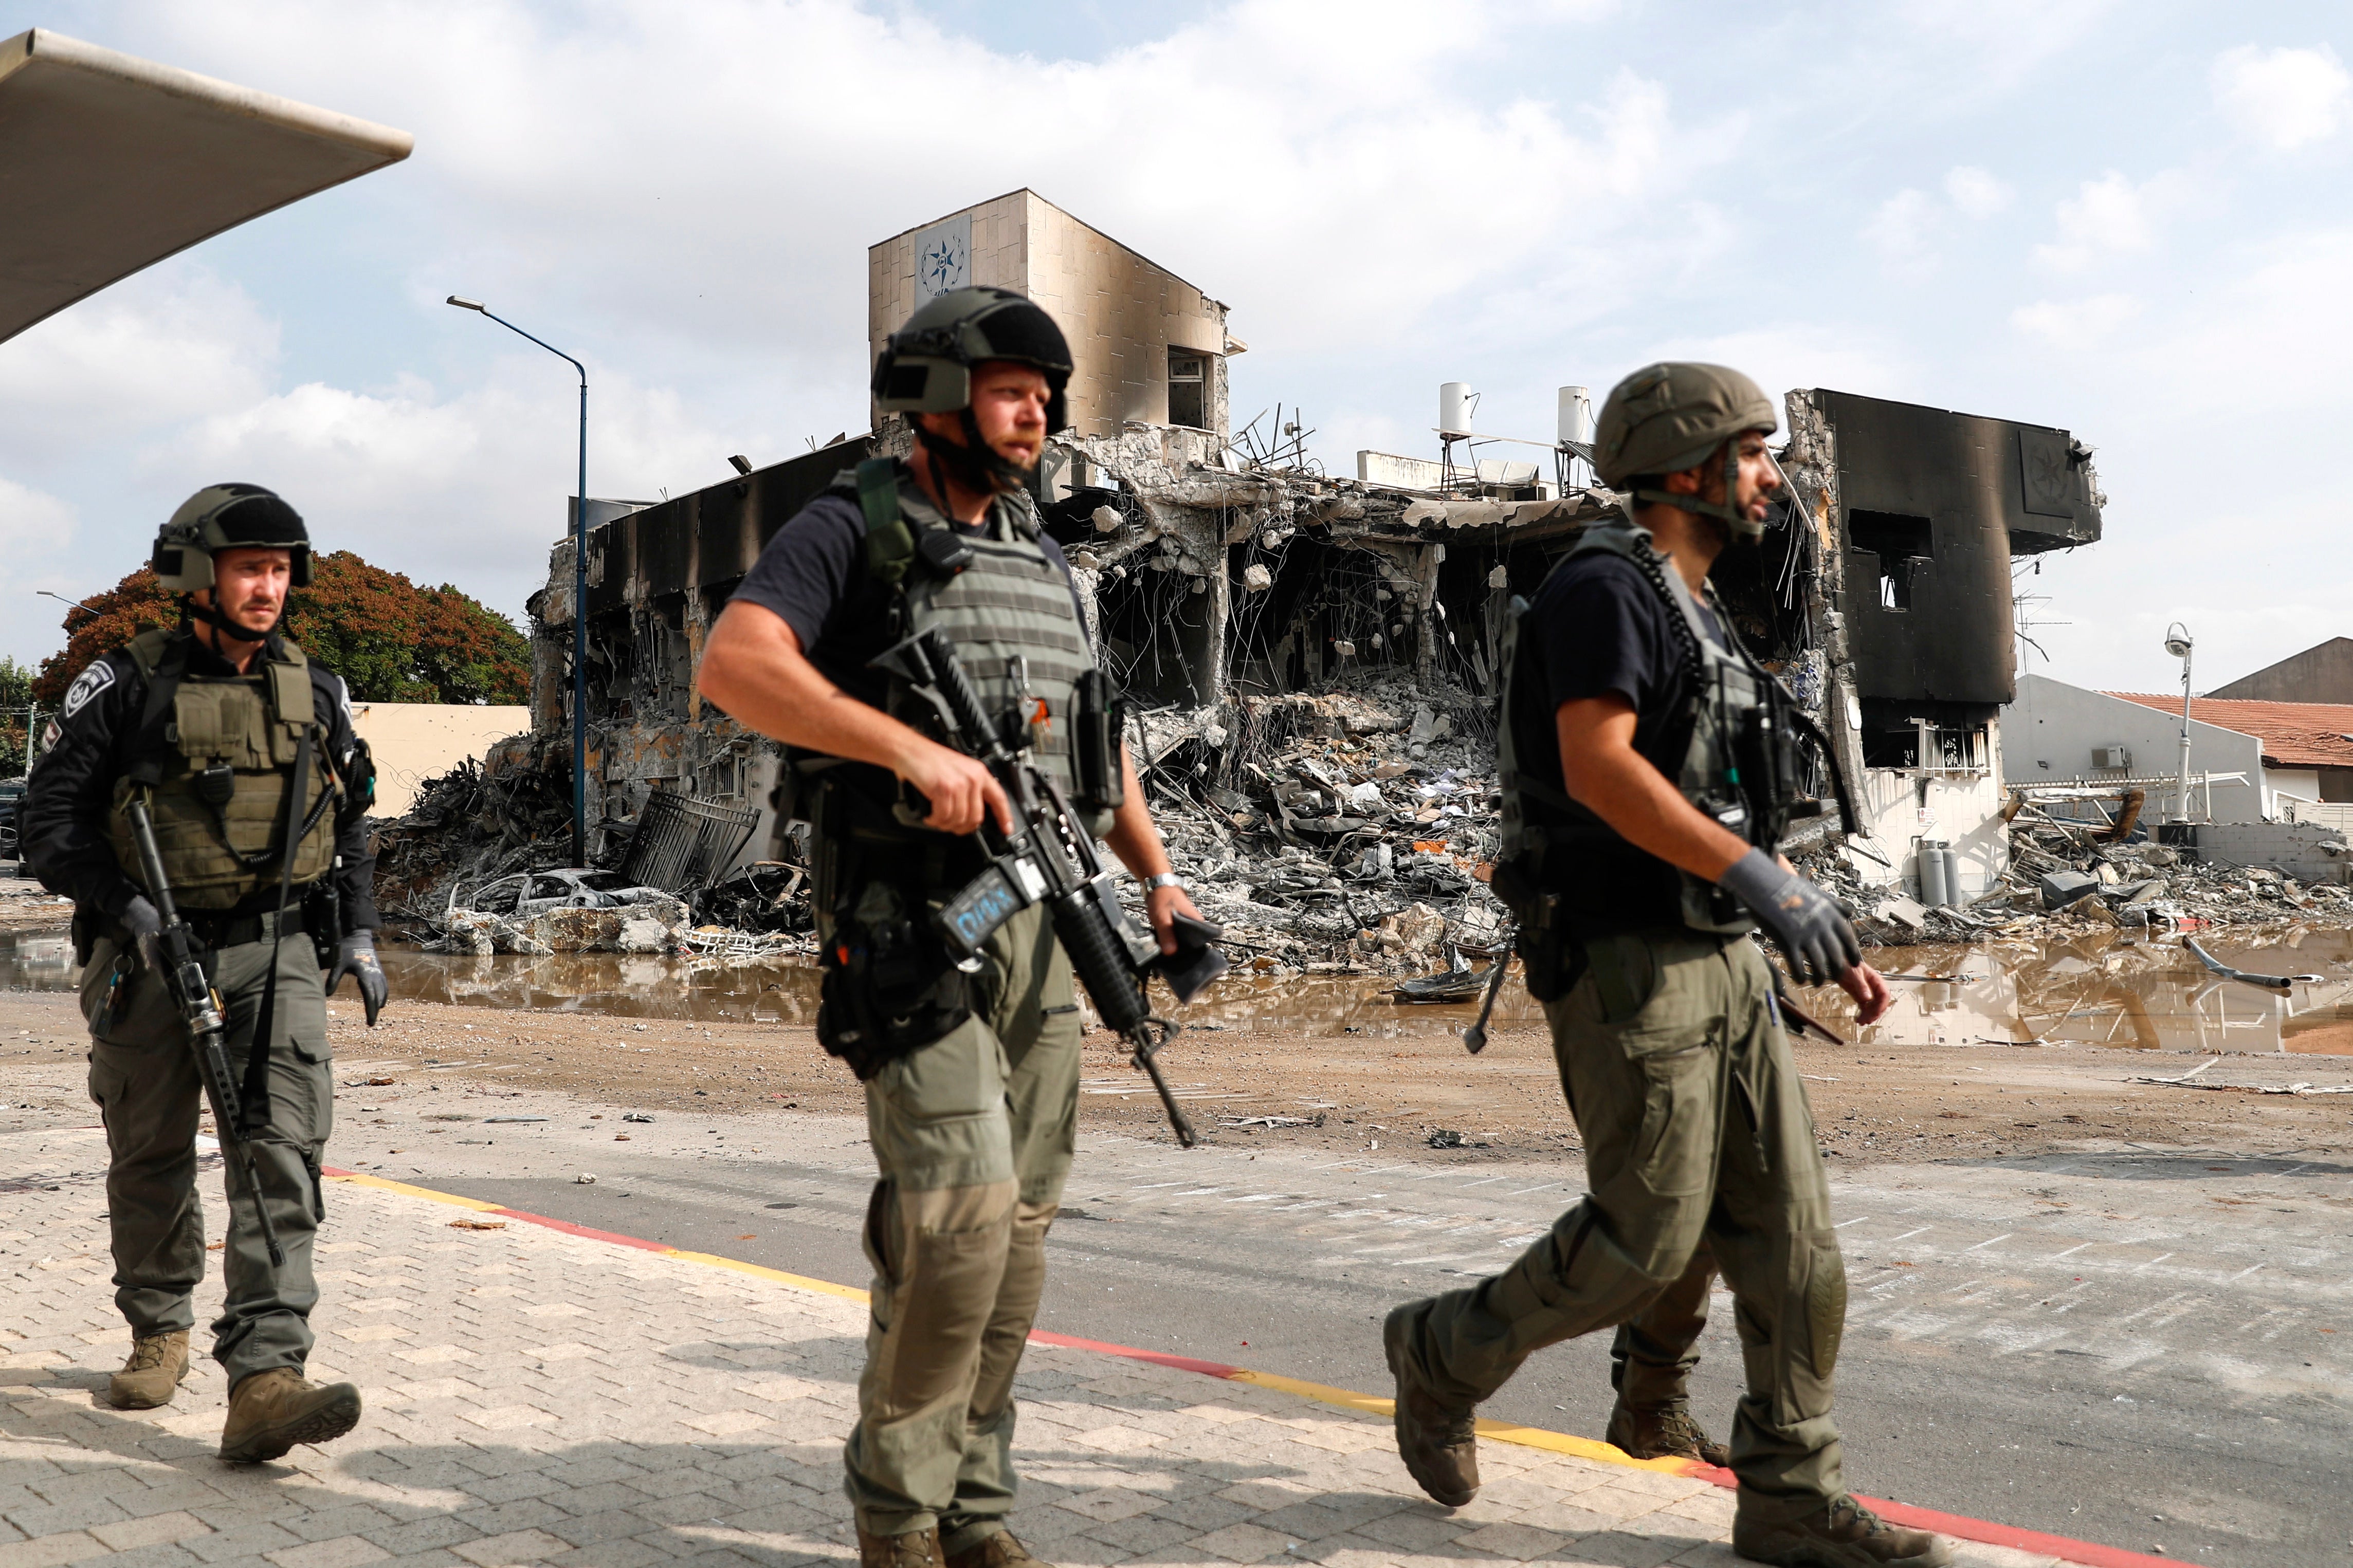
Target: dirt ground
(1353,1092)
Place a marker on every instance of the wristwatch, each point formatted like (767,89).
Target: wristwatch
(1163,880)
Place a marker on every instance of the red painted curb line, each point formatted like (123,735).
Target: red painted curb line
(2086,1553)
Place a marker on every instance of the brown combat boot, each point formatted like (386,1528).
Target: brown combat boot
(158,1365)
(269,1412)
(1440,1446)
(997,1550)
(915,1549)
(1845,1534)
(1660,1432)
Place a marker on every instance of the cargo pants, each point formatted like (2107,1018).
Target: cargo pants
(1696,1129)
(973,1136)
(142,1074)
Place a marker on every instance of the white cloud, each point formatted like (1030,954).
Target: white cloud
(2283,98)
(1903,231)
(2111,217)
(165,346)
(470,485)
(1975,193)
(32,523)
(2076,324)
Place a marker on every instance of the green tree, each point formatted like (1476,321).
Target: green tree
(390,640)
(15,712)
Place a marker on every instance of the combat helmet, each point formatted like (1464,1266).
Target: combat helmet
(1673,415)
(926,367)
(227,517)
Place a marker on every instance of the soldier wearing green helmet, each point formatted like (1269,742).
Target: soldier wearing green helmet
(971,1072)
(1649,766)
(242,751)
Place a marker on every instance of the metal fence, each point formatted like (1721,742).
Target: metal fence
(683,843)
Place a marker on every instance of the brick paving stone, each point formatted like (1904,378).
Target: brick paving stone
(538,1398)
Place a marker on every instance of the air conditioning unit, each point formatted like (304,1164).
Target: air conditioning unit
(2110,757)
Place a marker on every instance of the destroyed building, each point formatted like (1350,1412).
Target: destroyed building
(1252,604)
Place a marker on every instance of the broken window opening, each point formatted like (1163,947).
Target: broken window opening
(1897,541)
(1188,389)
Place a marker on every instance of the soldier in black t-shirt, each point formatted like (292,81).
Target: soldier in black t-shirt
(971,1079)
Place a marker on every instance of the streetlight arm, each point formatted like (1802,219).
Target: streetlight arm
(543,342)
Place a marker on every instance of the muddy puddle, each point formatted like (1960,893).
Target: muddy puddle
(2124,991)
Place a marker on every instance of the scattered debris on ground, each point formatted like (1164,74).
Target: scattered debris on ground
(2066,876)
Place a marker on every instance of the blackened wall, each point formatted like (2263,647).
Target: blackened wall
(707,539)
(1932,505)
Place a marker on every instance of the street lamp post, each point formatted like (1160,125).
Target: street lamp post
(2179,642)
(579,594)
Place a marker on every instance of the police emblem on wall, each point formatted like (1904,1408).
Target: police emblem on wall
(87,685)
(944,258)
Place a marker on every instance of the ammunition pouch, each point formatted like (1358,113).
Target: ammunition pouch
(1097,731)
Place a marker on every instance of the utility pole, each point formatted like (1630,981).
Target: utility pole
(2178,642)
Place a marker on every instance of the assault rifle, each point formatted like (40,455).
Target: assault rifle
(1049,858)
(200,1010)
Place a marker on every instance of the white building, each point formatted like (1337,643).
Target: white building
(2285,752)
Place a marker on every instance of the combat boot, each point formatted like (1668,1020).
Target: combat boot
(997,1550)
(158,1365)
(916,1549)
(1663,1431)
(1845,1534)
(271,1411)
(1440,1446)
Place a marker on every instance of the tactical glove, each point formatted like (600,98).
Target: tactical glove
(355,956)
(143,923)
(1819,942)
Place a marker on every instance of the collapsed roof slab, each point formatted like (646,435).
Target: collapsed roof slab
(109,164)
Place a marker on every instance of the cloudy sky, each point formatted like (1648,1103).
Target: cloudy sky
(2131,221)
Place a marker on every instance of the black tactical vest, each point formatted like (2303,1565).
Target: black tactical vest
(1599,882)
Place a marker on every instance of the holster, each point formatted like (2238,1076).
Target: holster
(322,916)
(887,985)
(1552,955)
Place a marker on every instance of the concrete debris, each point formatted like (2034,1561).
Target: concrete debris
(655,927)
(2065,875)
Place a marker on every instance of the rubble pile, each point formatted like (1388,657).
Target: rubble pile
(2067,876)
(512,811)
(1351,830)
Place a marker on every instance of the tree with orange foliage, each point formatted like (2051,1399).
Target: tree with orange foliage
(390,640)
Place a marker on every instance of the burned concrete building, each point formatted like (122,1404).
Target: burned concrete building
(1234,587)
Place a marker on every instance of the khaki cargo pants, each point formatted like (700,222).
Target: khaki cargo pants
(143,1075)
(1696,1129)
(973,1135)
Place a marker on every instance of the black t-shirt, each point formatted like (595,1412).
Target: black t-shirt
(813,577)
(1601,628)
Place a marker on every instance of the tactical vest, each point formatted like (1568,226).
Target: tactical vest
(1010,614)
(219,770)
(1598,882)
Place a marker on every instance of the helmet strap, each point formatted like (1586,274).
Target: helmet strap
(1726,510)
(212,616)
(975,465)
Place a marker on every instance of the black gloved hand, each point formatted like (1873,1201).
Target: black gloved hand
(1819,942)
(144,924)
(355,956)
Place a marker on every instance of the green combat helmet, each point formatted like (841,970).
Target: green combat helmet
(227,517)
(926,366)
(1674,415)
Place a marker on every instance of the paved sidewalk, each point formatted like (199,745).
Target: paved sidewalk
(536,1396)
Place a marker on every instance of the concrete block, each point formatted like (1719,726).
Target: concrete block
(2061,888)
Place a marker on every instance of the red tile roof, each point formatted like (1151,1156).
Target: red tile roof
(2294,734)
